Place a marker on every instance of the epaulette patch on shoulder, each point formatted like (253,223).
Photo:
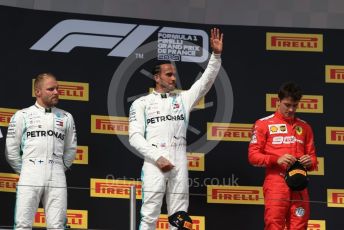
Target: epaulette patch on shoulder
(266,118)
(301,120)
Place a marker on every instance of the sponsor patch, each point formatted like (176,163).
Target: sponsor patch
(253,139)
(278,128)
(300,212)
(298,130)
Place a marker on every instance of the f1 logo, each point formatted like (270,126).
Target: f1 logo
(121,38)
(68,34)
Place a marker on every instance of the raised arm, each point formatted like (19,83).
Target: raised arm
(203,85)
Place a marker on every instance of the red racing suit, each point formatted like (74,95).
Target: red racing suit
(272,137)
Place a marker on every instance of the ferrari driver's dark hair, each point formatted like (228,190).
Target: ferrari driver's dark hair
(290,89)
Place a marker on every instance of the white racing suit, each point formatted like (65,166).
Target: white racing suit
(40,146)
(157,127)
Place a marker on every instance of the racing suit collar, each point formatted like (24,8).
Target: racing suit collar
(42,109)
(280,116)
(163,95)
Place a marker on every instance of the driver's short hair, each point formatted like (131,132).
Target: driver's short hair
(290,89)
(157,66)
(40,77)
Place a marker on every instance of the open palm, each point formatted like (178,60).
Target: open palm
(216,40)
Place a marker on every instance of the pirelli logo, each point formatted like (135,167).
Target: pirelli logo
(76,91)
(77,219)
(334,74)
(229,131)
(294,42)
(200,104)
(5,116)
(81,156)
(109,125)
(235,194)
(195,161)
(334,135)
(307,104)
(198,222)
(316,225)
(335,198)
(319,170)
(109,188)
(8,182)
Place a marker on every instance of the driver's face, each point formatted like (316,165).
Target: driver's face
(287,107)
(166,79)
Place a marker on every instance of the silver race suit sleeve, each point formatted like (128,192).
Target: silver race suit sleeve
(137,126)
(70,144)
(203,85)
(13,141)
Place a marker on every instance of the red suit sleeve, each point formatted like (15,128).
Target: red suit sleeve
(256,150)
(310,149)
